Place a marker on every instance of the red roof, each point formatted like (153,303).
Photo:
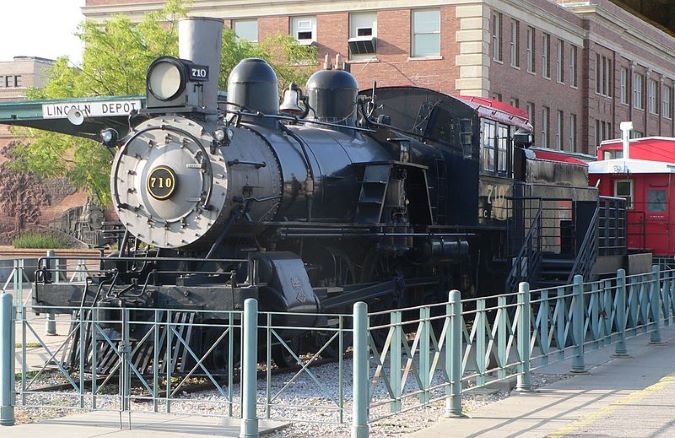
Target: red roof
(646,148)
(499,111)
(558,156)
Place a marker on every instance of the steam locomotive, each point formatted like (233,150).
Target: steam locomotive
(390,195)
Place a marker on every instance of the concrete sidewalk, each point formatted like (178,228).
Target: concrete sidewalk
(122,425)
(631,397)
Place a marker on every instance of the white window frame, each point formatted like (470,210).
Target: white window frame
(651,96)
(545,117)
(497,52)
(531,113)
(531,50)
(666,105)
(629,202)
(572,141)
(546,55)
(303,24)
(356,23)
(560,126)
(560,61)
(515,43)
(638,83)
(246,20)
(415,32)
(623,85)
(573,66)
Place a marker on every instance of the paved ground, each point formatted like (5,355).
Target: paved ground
(622,397)
(116,425)
(629,397)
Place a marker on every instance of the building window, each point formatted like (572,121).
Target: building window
(651,97)
(546,56)
(426,33)
(362,33)
(637,91)
(531,52)
(545,114)
(560,60)
(9,81)
(515,44)
(573,66)
(572,141)
(17,81)
(665,102)
(603,75)
(656,201)
(530,113)
(2,82)
(514,102)
(559,129)
(623,85)
(497,36)
(304,29)
(246,30)
(624,189)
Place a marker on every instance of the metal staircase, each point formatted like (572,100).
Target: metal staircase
(373,193)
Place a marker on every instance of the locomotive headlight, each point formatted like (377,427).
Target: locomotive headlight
(166,78)
(109,137)
(219,135)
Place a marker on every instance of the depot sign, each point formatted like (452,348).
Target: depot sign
(90,109)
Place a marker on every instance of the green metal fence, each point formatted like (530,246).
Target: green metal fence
(400,360)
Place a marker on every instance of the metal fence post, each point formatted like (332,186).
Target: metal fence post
(655,305)
(7,391)
(667,279)
(578,365)
(395,360)
(360,382)
(524,329)
(620,350)
(453,355)
(249,418)
(50,330)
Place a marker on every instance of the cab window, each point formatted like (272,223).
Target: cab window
(624,189)
(656,201)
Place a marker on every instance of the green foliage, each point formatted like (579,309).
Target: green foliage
(114,63)
(41,241)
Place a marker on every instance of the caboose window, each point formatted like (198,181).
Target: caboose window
(487,146)
(624,189)
(656,200)
(502,149)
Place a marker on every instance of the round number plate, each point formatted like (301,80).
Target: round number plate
(161,182)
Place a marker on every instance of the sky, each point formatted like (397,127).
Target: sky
(42,28)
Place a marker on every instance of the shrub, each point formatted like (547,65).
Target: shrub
(41,240)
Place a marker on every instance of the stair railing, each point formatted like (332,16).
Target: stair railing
(526,263)
(587,254)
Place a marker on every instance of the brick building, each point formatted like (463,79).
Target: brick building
(16,77)
(578,67)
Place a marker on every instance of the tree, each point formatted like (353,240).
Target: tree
(114,63)
(21,194)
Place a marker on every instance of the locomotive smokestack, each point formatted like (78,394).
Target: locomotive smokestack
(200,41)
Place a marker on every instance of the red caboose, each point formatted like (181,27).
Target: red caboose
(644,177)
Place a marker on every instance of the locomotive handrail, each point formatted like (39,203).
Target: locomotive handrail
(589,248)
(533,259)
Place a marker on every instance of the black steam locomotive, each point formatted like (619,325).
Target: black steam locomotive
(391,196)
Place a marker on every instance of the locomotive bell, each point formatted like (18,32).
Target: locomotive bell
(291,102)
